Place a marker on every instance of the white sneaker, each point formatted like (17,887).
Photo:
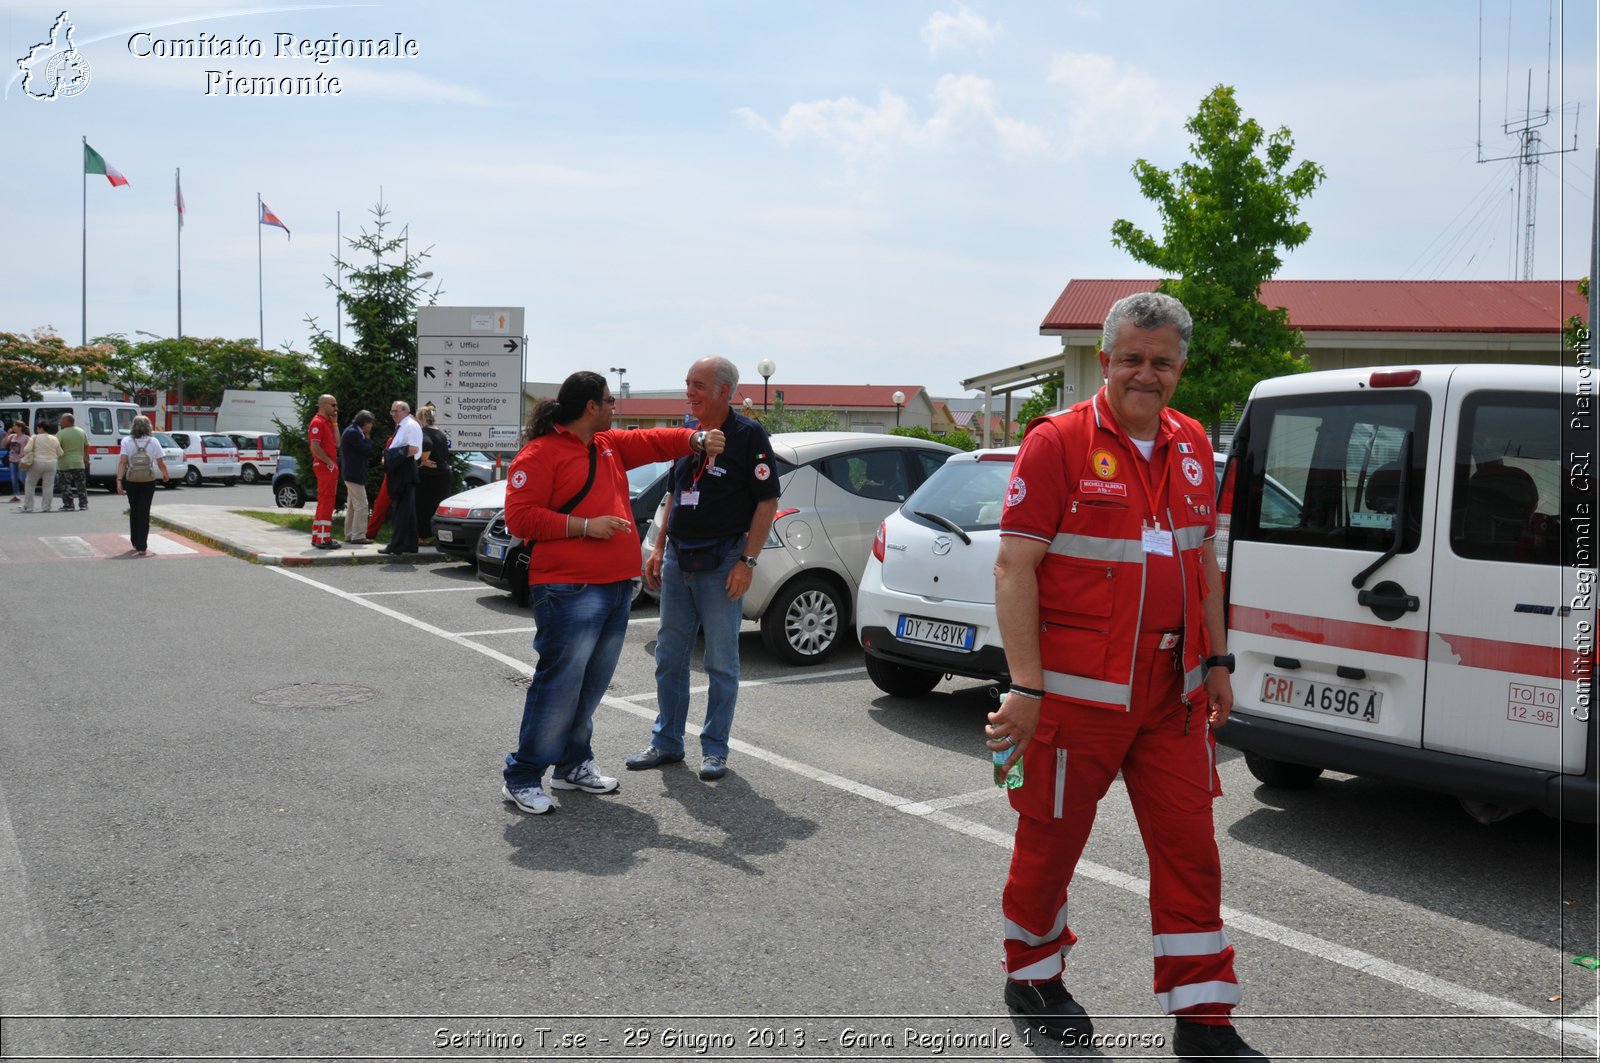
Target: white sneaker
(531,799)
(584,777)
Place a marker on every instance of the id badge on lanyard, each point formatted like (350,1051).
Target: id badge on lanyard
(1156,539)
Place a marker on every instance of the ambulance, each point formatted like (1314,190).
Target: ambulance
(104,421)
(1417,604)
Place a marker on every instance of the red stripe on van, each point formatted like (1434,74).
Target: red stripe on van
(1551,662)
(1323,631)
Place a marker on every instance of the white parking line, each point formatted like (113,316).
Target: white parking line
(529,629)
(1550,1026)
(425,590)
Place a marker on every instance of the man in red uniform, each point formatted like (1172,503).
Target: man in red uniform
(1110,605)
(322,436)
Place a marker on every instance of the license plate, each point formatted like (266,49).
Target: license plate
(444,534)
(937,632)
(491,550)
(1350,703)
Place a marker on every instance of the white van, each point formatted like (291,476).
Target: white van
(1422,608)
(104,421)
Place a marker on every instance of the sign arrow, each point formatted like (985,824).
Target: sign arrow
(427,371)
(511,346)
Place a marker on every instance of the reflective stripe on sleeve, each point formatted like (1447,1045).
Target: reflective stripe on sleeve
(1203,943)
(1065,685)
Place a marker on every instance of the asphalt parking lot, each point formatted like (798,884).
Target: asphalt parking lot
(300,845)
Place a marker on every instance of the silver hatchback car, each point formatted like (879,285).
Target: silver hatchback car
(837,487)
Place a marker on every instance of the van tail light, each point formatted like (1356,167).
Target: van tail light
(880,540)
(1395,378)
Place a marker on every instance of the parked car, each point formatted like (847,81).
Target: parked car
(206,456)
(258,454)
(461,518)
(174,456)
(503,559)
(287,490)
(837,487)
(480,468)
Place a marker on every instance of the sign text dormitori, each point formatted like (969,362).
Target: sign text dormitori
(318,50)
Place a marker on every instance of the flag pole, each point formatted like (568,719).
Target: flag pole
(338,282)
(177,187)
(261,339)
(84,300)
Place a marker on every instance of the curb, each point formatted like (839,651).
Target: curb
(233,549)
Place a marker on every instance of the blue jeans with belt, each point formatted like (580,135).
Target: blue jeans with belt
(690,602)
(578,633)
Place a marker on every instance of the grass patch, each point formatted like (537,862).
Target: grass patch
(294,521)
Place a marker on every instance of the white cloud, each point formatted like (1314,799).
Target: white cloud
(1110,105)
(964,109)
(963,28)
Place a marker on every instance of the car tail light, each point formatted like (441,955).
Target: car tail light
(772,533)
(1395,378)
(880,541)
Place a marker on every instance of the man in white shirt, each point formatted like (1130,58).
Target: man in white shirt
(400,469)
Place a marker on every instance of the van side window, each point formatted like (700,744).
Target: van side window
(7,415)
(125,421)
(1508,498)
(100,421)
(1326,472)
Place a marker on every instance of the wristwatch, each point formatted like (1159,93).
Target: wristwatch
(749,562)
(1223,660)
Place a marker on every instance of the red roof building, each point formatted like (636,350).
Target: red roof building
(858,407)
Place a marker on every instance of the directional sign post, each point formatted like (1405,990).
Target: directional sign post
(469,365)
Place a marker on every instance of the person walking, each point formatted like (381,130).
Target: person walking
(141,459)
(434,473)
(355,449)
(321,436)
(73,472)
(400,476)
(41,457)
(16,442)
(721,508)
(1109,601)
(568,496)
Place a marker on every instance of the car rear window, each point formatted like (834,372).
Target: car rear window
(969,493)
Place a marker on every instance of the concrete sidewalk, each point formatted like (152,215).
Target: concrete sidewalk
(268,544)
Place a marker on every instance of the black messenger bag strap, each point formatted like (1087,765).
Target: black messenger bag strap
(572,503)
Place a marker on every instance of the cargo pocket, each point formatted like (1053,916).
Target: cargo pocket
(1043,792)
(1076,621)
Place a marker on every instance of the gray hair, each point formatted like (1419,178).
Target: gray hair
(140,427)
(1148,310)
(403,404)
(727,373)
(362,419)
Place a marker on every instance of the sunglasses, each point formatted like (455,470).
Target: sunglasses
(610,400)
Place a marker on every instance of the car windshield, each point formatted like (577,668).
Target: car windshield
(969,494)
(645,475)
(165,440)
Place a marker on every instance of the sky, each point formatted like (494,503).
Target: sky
(890,193)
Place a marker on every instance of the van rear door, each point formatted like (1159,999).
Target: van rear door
(1514,572)
(1346,467)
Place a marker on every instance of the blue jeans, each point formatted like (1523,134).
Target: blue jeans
(578,635)
(691,601)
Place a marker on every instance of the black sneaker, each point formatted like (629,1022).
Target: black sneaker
(1050,1009)
(1199,1041)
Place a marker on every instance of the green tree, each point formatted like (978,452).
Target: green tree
(958,439)
(782,419)
(1039,403)
(1576,334)
(33,362)
(1224,218)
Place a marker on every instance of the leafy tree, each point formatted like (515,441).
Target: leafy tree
(205,368)
(1574,332)
(782,419)
(1224,218)
(1038,404)
(32,362)
(958,439)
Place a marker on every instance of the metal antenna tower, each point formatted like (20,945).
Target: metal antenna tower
(1525,131)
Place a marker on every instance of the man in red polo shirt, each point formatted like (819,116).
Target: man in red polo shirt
(322,436)
(567,495)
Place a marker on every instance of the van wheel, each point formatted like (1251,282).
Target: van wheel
(249,475)
(191,476)
(802,624)
(1281,773)
(902,681)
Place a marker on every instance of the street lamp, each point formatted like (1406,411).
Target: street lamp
(766,367)
(899,398)
(622,383)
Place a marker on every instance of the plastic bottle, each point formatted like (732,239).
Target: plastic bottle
(1003,779)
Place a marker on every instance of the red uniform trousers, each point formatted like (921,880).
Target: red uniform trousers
(327,495)
(380,509)
(1171,780)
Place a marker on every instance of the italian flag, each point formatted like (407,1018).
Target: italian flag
(94,162)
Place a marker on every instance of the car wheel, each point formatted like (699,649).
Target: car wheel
(1281,773)
(802,624)
(249,475)
(901,680)
(191,476)
(290,496)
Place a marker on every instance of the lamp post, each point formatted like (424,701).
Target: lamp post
(899,398)
(766,367)
(622,383)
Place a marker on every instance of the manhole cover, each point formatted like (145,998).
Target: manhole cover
(314,696)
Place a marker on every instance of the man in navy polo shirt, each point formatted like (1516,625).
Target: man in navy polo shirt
(719,512)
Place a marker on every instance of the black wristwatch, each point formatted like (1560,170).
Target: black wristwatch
(1222,660)
(749,562)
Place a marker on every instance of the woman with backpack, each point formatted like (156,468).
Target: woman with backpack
(141,456)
